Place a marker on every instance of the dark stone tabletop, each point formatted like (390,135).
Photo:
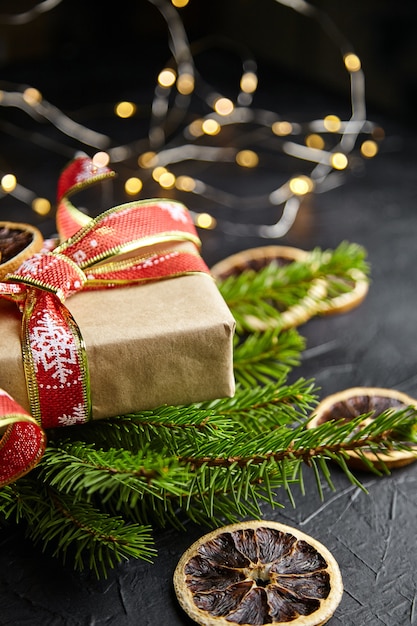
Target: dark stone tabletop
(371,532)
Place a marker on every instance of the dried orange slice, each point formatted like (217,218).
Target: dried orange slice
(258,258)
(17,243)
(351,403)
(255,573)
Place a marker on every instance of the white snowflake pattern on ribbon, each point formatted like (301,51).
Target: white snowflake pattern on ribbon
(32,265)
(176,211)
(77,416)
(53,348)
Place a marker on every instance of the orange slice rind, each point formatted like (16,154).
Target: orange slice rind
(350,299)
(351,403)
(35,245)
(256,259)
(258,572)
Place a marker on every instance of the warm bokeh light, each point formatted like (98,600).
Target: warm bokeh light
(301,185)
(8,183)
(185,84)
(315,141)
(158,171)
(247,158)
(211,127)
(147,159)
(32,96)
(133,186)
(185,183)
(101,159)
(196,128)
(41,206)
(224,106)
(339,161)
(205,220)
(369,149)
(249,82)
(352,62)
(125,109)
(282,128)
(332,123)
(167,77)
(167,180)
(180,4)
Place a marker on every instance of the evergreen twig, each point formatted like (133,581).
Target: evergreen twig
(265,295)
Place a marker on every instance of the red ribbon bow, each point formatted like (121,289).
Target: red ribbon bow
(120,247)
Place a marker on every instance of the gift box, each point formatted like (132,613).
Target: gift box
(166,342)
(122,315)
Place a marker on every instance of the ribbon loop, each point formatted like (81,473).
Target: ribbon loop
(22,443)
(51,272)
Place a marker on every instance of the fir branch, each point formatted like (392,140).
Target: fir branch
(267,407)
(265,296)
(262,357)
(96,540)
(331,439)
(81,470)
(163,426)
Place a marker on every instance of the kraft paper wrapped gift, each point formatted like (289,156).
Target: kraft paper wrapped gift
(165,342)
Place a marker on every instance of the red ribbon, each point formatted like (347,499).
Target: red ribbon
(130,244)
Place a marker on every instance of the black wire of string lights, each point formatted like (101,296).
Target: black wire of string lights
(177,135)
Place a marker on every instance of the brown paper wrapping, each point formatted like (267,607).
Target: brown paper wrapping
(167,342)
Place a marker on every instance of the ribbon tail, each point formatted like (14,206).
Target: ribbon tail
(22,443)
(80,173)
(55,362)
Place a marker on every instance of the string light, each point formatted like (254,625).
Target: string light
(301,185)
(179,4)
(211,127)
(185,183)
(101,159)
(41,206)
(125,109)
(369,149)
(133,186)
(247,158)
(323,145)
(167,77)
(249,82)
(8,183)
(339,161)
(282,128)
(32,96)
(205,220)
(224,106)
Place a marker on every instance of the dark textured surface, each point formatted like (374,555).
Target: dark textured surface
(372,535)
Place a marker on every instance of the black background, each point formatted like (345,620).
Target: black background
(81,54)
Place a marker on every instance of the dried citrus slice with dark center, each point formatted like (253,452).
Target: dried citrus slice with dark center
(258,258)
(17,243)
(255,573)
(351,403)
